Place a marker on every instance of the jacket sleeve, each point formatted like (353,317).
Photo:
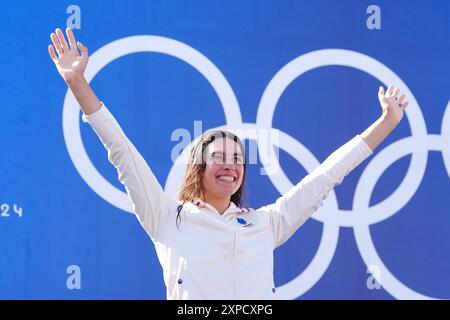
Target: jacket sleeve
(293,208)
(150,203)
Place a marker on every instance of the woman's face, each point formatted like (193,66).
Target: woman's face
(224,168)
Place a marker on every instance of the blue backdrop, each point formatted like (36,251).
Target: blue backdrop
(60,239)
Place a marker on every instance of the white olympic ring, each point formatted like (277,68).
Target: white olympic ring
(360,218)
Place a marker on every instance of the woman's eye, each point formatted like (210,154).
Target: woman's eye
(218,158)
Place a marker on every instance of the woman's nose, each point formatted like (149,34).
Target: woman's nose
(228,165)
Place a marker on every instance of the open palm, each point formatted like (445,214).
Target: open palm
(392,102)
(69,62)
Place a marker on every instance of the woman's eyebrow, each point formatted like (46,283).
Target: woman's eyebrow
(221,153)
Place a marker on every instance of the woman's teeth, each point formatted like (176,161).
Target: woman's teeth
(226,178)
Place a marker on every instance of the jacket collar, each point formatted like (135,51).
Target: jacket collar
(232,208)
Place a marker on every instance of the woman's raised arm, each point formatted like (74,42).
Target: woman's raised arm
(296,206)
(151,205)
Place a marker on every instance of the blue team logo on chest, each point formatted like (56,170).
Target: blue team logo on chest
(243,222)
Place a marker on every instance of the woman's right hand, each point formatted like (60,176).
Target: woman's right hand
(69,62)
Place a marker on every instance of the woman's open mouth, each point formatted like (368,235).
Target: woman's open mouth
(226,179)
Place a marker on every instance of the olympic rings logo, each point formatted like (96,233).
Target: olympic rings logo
(360,218)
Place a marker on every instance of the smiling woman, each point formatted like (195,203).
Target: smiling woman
(220,250)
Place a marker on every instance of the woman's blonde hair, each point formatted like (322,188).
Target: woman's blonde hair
(192,186)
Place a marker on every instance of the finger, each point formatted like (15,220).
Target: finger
(71,37)
(62,39)
(396,92)
(51,51)
(405,105)
(56,44)
(83,49)
(401,99)
(390,89)
(381,90)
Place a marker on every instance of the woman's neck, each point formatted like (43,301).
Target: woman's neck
(221,204)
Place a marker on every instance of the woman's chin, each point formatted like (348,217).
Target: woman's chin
(225,191)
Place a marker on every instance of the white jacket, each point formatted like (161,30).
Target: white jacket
(213,256)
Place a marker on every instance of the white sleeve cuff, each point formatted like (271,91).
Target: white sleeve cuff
(89,118)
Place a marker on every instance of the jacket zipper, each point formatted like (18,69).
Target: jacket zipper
(232,264)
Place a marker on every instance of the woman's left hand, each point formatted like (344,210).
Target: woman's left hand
(392,103)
